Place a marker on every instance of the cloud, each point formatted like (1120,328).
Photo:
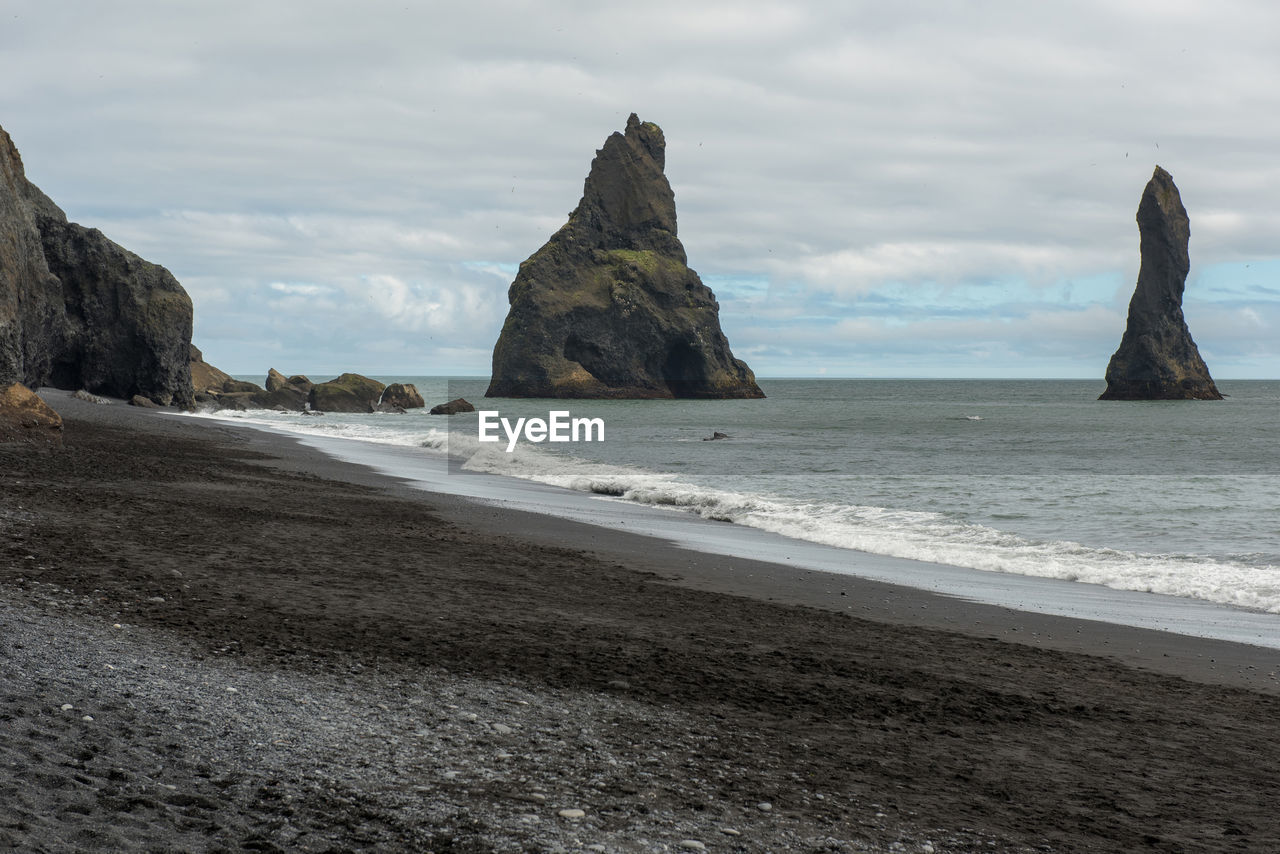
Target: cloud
(888,165)
(424,308)
(863,270)
(300,290)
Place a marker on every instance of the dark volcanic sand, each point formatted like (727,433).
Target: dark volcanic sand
(407,680)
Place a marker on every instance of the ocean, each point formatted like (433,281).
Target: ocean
(1019,477)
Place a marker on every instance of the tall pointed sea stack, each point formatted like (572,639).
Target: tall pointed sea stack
(608,307)
(1157,359)
(78,311)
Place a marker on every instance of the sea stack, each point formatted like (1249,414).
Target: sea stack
(79,312)
(1157,360)
(608,307)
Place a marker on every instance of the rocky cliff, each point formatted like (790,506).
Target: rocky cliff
(608,307)
(77,310)
(1157,359)
(33,323)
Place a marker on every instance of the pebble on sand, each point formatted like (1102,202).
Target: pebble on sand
(87,718)
(66,707)
(764,806)
(572,813)
(692,845)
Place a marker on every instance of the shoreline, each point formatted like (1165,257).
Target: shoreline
(1203,607)
(669,695)
(793,580)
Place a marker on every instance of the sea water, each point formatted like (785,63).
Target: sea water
(1023,478)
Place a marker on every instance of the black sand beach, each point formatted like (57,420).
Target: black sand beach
(277,651)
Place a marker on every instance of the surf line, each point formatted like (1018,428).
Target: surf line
(558,426)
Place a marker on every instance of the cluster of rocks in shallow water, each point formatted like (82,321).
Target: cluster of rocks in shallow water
(215,389)
(346,393)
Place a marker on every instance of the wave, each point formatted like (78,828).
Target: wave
(377,427)
(910,534)
(915,535)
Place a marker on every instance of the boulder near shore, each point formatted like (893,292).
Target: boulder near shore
(402,396)
(1157,359)
(453,407)
(25,418)
(347,393)
(608,307)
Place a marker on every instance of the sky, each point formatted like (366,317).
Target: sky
(908,189)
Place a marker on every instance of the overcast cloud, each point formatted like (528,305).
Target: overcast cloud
(872,189)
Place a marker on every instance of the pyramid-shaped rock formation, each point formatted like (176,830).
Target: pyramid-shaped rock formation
(1157,360)
(608,307)
(79,312)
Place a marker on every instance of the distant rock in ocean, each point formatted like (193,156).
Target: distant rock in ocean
(608,307)
(453,407)
(1157,360)
(347,393)
(276,380)
(283,393)
(78,311)
(401,396)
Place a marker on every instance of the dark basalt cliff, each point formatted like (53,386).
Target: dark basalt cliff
(77,310)
(33,323)
(608,307)
(1157,360)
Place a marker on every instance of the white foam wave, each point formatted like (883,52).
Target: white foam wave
(366,427)
(915,535)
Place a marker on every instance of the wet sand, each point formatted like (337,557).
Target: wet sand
(667,694)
